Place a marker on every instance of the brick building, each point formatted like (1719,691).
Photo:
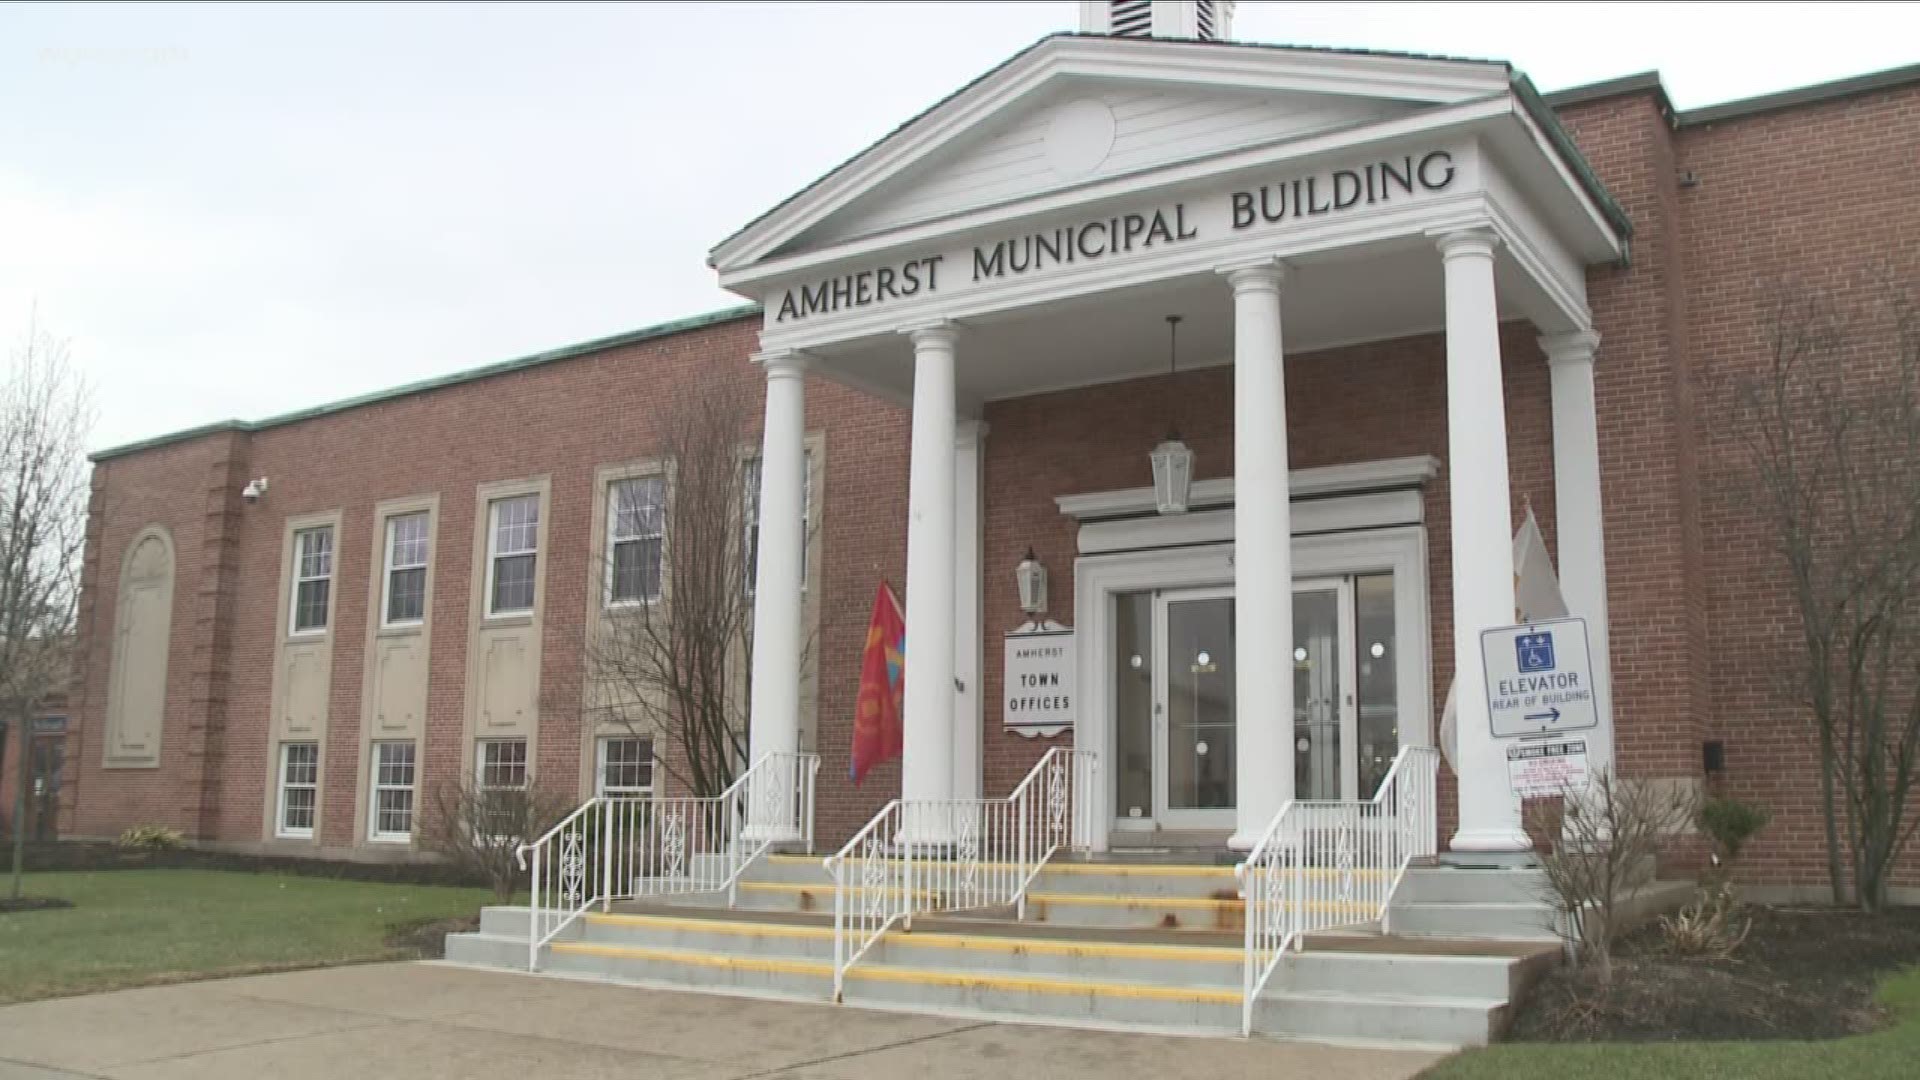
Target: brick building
(290,628)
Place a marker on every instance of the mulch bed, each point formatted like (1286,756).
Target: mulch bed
(427,938)
(8,905)
(1803,973)
(96,855)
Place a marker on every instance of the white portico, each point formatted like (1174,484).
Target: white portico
(1031,233)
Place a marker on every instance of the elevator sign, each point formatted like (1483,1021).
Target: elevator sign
(1539,678)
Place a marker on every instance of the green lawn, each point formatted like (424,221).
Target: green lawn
(1893,1053)
(132,927)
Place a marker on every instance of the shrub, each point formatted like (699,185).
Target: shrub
(1708,926)
(1731,823)
(479,830)
(151,838)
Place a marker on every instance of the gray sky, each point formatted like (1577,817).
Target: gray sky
(239,211)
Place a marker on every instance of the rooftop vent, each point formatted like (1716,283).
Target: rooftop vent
(1203,20)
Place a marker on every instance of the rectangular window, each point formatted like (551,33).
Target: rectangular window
(626,768)
(392,791)
(312,578)
(503,763)
(636,538)
(299,788)
(406,569)
(750,514)
(513,541)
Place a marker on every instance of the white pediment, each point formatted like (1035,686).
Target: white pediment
(1085,131)
(1073,111)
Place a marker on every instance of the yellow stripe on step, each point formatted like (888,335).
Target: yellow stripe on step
(822,969)
(1116,869)
(741,928)
(827,890)
(1041,985)
(1210,954)
(1183,903)
(782,966)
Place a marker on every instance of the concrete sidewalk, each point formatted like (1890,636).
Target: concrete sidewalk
(434,1020)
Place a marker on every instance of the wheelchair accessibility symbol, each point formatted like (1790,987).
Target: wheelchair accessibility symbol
(1534,652)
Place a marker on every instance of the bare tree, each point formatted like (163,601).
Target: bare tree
(45,414)
(671,658)
(479,829)
(1832,425)
(1607,840)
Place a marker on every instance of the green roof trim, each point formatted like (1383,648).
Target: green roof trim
(502,367)
(1803,95)
(1563,144)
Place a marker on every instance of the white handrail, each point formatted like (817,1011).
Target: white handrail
(924,855)
(1326,863)
(627,848)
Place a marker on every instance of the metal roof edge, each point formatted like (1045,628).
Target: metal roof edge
(1542,113)
(501,367)
(1643,82)
(1802,95)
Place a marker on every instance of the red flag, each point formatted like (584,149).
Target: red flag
(876,711)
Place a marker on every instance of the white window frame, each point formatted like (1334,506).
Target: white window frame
(480,765)
(283,785)
(494,554)
(614,539)
(750,519)
(600,788)
(301,577)
(386,579)
(376,787)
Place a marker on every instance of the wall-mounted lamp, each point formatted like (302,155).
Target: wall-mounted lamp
(254,490)
(1032,579)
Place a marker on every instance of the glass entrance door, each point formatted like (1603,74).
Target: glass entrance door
(1326,757)
(1174,707)
(1195,704)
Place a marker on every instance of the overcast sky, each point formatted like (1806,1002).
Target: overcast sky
(239,211)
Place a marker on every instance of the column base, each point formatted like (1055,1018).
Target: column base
(1243,841)
(1488,860)
(1491,842)
(771,832)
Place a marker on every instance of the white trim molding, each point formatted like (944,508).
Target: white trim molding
(1345,479)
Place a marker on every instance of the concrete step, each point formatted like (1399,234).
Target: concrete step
(692,968)
(989,953)
(1404,974)
(488,950)
(1444,884)
(1149,1006)
(743,936)
(1530,921)
(1432,1021)
(1140,879)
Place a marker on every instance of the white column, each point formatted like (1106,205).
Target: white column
(926,768)
(1482,535)
(1578,520)
(774,702)
(968,642)
(1263,557)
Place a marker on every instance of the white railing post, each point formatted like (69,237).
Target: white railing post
(606,855)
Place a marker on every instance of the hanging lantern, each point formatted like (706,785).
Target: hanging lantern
(1032,579)
(1172,459)
(1172,475)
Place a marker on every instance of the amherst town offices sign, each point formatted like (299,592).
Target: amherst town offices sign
(1317,195)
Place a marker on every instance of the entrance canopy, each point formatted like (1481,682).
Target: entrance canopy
(1059,206)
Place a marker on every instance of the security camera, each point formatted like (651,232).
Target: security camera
(254,489)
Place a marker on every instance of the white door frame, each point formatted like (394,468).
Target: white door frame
(1347,657)
(1401,550)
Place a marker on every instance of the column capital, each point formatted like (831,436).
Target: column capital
(1266,272)
(1571,347)
(937,332)
(1466,243)
(782,363)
